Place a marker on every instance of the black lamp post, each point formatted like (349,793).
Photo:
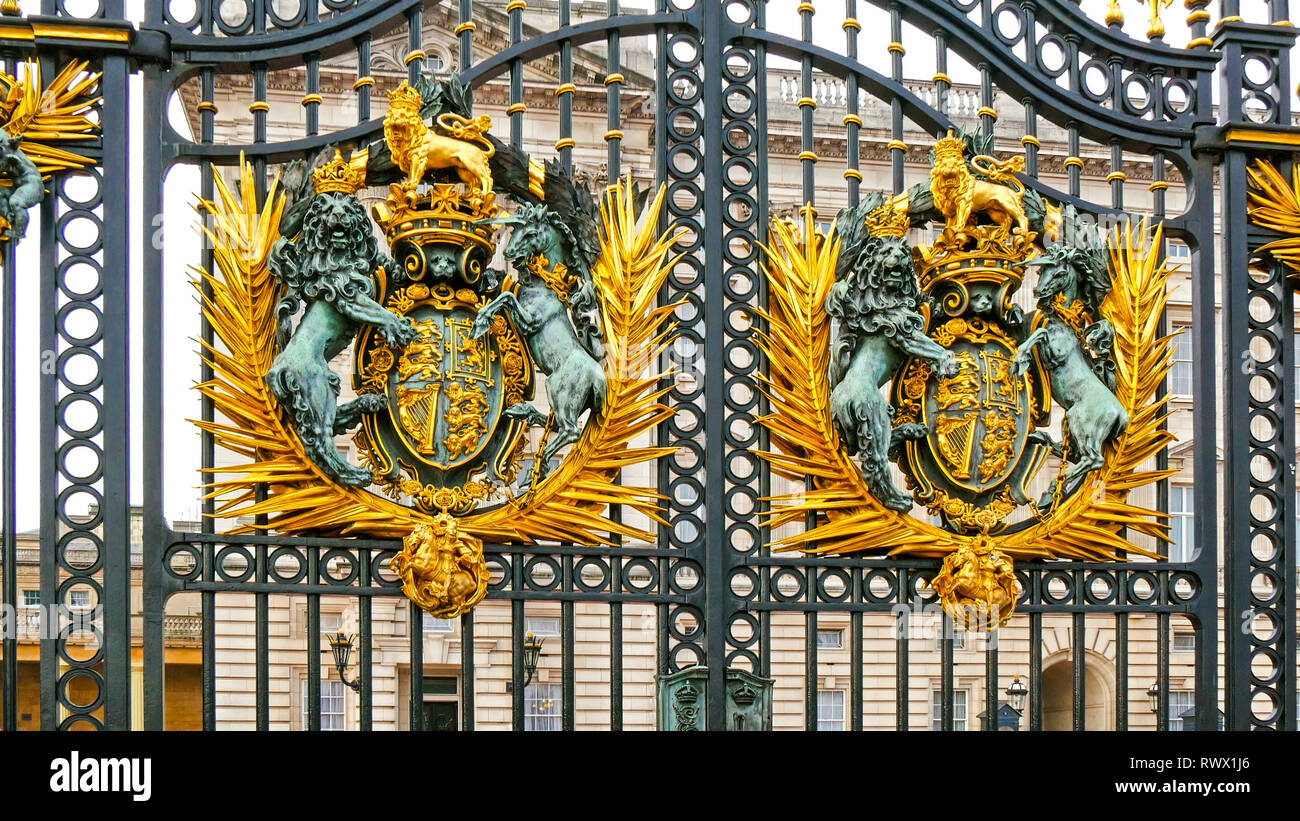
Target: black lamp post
(532,653)
(1016,695)
(341,647)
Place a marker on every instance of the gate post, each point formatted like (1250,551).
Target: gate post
(1259,411)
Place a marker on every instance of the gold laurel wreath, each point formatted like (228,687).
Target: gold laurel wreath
(298,497)
(806,445)
(60,111)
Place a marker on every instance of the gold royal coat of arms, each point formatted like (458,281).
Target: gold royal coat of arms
(446,348)
(923,361)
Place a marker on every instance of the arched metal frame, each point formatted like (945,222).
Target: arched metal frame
(711,151)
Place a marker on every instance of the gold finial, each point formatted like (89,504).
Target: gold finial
(11,8)
(1114,14)
(338,176)
(1156,26)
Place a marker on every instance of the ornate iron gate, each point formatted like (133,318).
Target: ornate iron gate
(715,586)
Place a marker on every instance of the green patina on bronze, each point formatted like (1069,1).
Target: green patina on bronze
(876,300)
(1077,353)
(939,323)
(329,268)
(25,188)
(554,308)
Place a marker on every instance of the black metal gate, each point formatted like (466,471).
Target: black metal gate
(1122,108)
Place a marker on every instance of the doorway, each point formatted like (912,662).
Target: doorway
(441,716)
(441,709)
(1058,696)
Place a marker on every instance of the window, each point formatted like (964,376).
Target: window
(1180,375)
(1184,642)
(542,626)
(1181,517)
(79,599)
(1179,256)
(830,710)
(331,705)
(958,639)
(432,625)
(330,623)
(437,61)
(542,707)
(1180,701)
(689,499)
(958,710)
(686,495)
(31,598)
(830,639)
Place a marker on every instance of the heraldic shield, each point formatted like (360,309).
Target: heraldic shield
(972,370)
(446,390)
(976,457)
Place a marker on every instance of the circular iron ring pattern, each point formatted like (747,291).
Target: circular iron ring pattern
(743,80)
(1268,330)
(682,477)
(79,417)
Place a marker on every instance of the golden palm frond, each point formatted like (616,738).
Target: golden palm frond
(800,273)
(569,505)
(56,113)
(1275,205)
(806,444)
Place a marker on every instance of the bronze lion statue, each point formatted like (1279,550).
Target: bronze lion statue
(876,300)
(328,269)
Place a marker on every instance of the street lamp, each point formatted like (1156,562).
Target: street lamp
(1154,694)
(341,647)
(1016,695)
(532,653)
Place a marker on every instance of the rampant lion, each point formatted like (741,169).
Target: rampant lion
(417,148)
(329,268)
(876,299)
(441,570)
(959,193)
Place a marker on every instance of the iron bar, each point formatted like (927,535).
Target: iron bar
(467,687)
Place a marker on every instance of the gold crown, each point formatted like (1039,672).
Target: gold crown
(338,175)
(888,221)
(948,146)
(405,98)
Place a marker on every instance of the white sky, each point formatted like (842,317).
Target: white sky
(180,355)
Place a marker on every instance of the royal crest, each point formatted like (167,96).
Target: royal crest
(445,348)
(934,370)
(445,391)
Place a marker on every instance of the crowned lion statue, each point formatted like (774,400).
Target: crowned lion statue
(876,300)
(328,271)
